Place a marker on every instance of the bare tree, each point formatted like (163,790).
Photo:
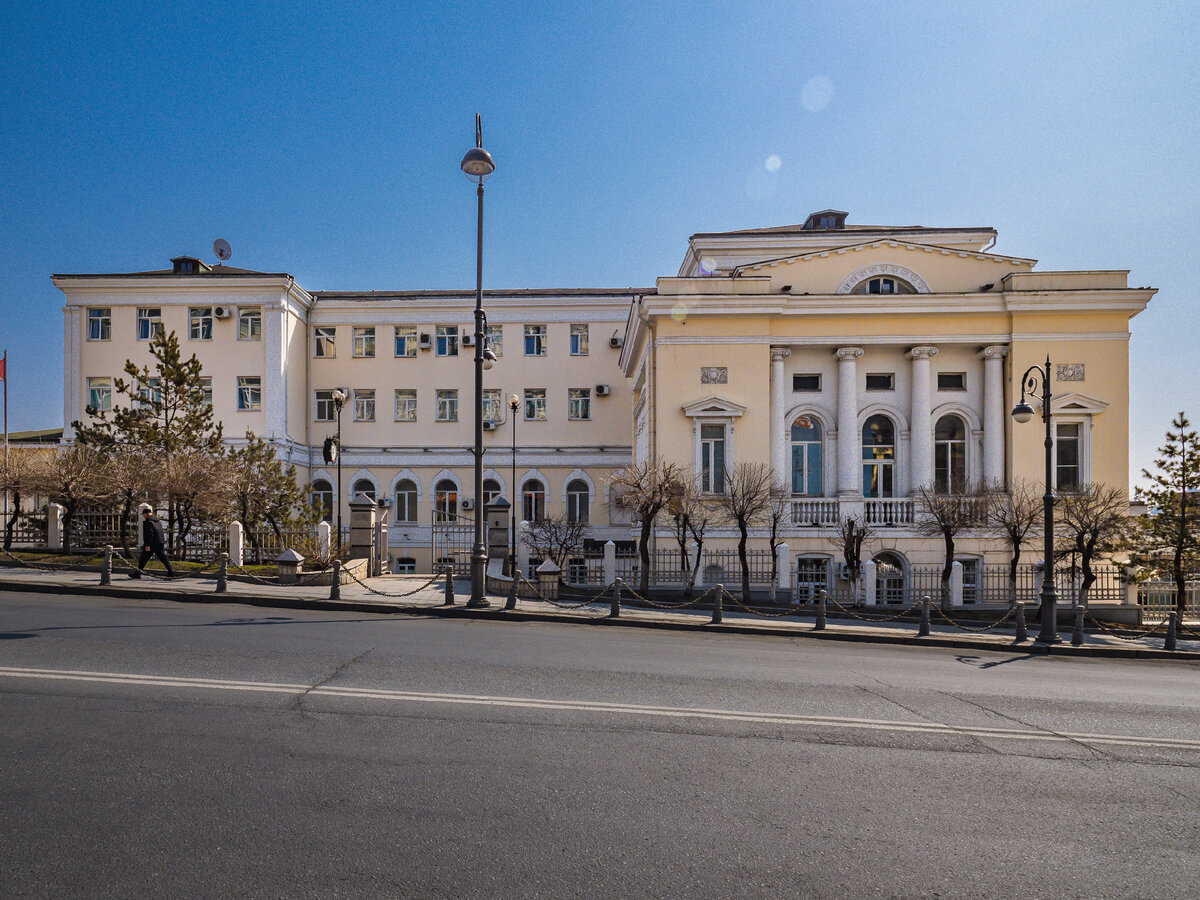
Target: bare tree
(556,538)
(16,477)
(947,516)
(1015,515)
(1093,522)
(691,517)
(744,504)
(852,536)
(195,482)
(71,477)
(131,478)
(645,489)
(777,514)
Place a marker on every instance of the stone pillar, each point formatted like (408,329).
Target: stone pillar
(870,583)
(362,530)
(779,428)
(922,411)
(235,543)
(994,414)
(956,583)
(54,526)
(379,562)
(783,570)
(522,547)
(610,563)
(324,530)
(849,484)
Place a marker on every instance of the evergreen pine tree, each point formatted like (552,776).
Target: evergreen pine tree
(1174,500)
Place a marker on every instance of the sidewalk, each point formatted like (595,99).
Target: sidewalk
(431,601)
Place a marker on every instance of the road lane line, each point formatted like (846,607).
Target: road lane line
(672,712)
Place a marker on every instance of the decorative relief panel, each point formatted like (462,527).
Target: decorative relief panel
(714,375)
(1069,372)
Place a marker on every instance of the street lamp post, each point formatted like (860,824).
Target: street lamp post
(332,452)
(477,165)
(514,403)
(1034,377)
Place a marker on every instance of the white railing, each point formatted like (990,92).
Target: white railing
(888,511)
(815,512)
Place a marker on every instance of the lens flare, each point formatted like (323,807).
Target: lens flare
(708,265)
(817,93)
(773,163)
(679,313)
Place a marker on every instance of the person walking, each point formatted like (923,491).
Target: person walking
(153,544)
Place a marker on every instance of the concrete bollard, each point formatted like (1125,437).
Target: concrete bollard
(335,586)
(511,602)
(719,606)
(819,625)
(106,572)
(223,574)
(1022,634)
(448,569)
(1172,626)
(923,629)
(614,611)
(1077,631)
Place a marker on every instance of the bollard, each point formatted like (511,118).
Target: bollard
(106,572)
(1022,634)
(223,574)
(1172,625)
(819,625)
(448,569)
(335,586)
(719,605)
(614,611)
(923,630)
(1077,631)
(511,603)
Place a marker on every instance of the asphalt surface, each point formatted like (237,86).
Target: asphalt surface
(151,749)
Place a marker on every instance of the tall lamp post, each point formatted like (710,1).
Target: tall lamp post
(514,403)
(332,452)
(1036,376)
(477,165)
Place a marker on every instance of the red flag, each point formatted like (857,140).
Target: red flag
(4,368)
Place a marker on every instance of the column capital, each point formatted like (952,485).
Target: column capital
(996,351)
(779,354)
(922,353)
(844,353)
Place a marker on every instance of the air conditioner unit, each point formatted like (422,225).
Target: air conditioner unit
(467,504)
(468,340)
(425,342)
(615,341)
(222,312)
(603,390)
(489,426)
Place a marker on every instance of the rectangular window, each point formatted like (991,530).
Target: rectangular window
(712,459)
(200,319)
(495,336)
(326,407)
(447,406)
(206,387)
(250,323)
(812,575)
(881,381)
(100,324)
(99,393)
(492,410)
(447,340)
(952,381)
(249,392)
(535,404)
(364,342)
(149,322)
(806,383)
(325,342)
(535,340)
(579,340)
(1067,456)
(149,393)
(364,405)
(406,340)
(406,404)
(579,404)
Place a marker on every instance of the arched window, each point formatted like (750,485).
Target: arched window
(491,490)
(364,490)
(886,284)
(322,499)
(533,501)
(879,457)
(889,578)
(806,457)
(577,501)
(406,500)
(950,455)
(445,501)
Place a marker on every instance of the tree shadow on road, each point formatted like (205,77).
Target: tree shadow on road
(977,663)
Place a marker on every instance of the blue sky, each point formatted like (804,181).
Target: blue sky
(323,139)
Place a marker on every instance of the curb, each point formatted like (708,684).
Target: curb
(498,613)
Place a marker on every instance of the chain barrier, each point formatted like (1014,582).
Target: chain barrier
(31,563)
(1112,632)
(1011,612)
(657,605)
(394,596)
(900,615)
(569,606)
(761,615)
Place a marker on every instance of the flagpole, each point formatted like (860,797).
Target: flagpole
(4,368)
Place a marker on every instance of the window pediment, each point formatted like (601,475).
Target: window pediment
(713,407)
(1079,404)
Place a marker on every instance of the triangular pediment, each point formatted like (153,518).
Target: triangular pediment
(890,243)
(1080,404)
(713,406)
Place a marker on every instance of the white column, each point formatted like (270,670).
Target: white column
(610,562)
(993,414)
(523,547)
(921,434)
(779,430)
(324,531)
(72,376)
(236,544)
(870,582)
(849,442)
(783,572)
(956,583)
(54,527)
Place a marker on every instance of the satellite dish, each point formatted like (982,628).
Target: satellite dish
(222,249)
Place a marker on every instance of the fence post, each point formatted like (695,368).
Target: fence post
(819,625)
(448,570)
(335,587)
(223,574)
(610,562)
(1169,640)
(783,553)
(522,546)
(923,628)
(106,572)
(719,606)
(956,583)
(235,543)
(1077,631)
(870,583)
(614,611)
(323,544)
(54,527)
(1022,634)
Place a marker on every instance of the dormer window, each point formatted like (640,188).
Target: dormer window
(188,265)
(826,220)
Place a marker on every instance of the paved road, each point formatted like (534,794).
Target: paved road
(150,749)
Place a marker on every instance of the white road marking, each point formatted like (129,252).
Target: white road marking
(678,712)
